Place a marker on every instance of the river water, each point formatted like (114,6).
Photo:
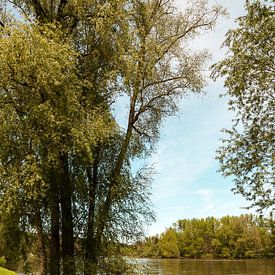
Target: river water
(209,267)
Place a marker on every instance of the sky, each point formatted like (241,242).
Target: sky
(187,184)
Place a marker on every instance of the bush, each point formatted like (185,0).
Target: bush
(2,261)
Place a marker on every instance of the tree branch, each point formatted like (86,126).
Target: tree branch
(21,8)
(40,13)
(142,133)
(61,7)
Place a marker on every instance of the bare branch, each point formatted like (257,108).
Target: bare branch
(163,81)
(142,133)
(21,9)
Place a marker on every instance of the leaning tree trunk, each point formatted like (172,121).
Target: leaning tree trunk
(114,180)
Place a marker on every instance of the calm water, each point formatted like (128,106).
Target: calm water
(207,267)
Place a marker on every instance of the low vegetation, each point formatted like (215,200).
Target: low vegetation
(4,271)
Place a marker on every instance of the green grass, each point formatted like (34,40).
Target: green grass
(4,271)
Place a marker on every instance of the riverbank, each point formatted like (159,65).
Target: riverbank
(4,271)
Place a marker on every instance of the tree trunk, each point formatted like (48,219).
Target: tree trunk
(54,210)
(67,219)
(105,211)
(41,243)
(91,256)
(91,247)
(114,180)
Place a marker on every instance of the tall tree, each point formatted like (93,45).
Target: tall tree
(157,70)
(42,122)
(247,154)
(62,149)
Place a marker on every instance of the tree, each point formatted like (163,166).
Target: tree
(247,153)
(195,236)
(246,236)
(168,244)
(157,70)
(37,97)
(65,163)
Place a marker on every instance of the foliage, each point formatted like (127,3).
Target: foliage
(67,187)
(247,153)
(168,244)
(2,261)
(245,236)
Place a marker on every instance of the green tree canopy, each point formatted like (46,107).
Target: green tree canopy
(247,154)
(246,236)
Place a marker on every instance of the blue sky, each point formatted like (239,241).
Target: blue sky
(187,183)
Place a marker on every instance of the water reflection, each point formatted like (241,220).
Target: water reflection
(209,267)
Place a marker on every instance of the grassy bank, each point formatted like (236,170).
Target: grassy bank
(4,271)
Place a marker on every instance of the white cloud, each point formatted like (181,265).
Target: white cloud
(207,199)
(205,194)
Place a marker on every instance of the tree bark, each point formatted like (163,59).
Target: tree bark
(91,247)
(55,213)
(41,243)
(67,219)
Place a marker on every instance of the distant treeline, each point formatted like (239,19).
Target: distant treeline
(246,236)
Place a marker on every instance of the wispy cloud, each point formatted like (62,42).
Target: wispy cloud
(207,198)
(205,194)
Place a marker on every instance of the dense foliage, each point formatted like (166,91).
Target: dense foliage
(245,236)
(68,195)
(247,153)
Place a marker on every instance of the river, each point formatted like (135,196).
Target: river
(209,267)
